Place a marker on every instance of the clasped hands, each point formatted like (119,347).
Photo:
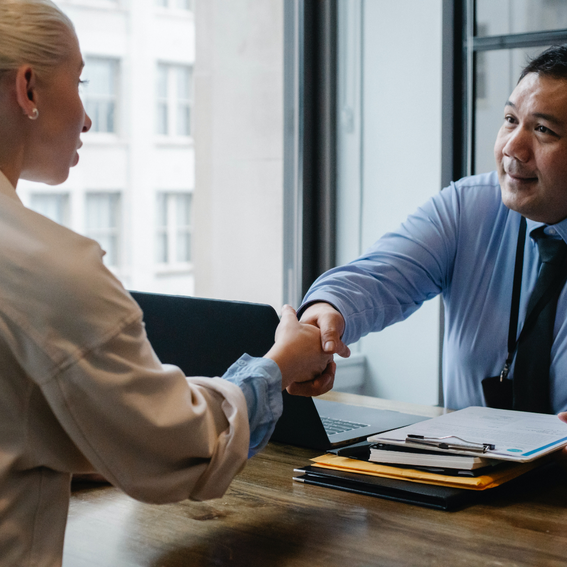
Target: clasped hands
(304,349)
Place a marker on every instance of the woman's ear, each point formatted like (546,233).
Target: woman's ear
(26,96)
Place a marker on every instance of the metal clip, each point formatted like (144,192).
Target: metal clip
(439,443)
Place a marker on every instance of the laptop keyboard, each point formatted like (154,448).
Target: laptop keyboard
(333,426)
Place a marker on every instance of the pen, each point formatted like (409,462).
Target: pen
(441,444)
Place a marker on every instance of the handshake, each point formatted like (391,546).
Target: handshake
(304,349)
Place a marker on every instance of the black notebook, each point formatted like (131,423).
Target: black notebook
(431,496)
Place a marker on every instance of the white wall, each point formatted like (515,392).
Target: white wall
(391,163)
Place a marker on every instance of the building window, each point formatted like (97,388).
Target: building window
(173,242)
(52,205)
(101,93)
(176,4)
(174,97)
(103,223)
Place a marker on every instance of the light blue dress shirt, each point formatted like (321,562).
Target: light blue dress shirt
(260,380)
(462,244)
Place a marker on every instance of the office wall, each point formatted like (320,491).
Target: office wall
(390,163)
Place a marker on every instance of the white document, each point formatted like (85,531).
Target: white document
(516,435)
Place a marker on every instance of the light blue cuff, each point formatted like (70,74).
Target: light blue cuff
(260,380)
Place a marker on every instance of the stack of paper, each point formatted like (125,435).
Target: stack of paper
(494,446)
(399,455)
(482,482)
(492,433)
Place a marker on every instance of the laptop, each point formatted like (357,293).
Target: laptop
(205,336)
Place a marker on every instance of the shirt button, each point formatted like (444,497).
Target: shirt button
(551,231)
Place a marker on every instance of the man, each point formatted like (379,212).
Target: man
(463,244)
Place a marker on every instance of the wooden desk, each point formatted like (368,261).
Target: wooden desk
(266,519)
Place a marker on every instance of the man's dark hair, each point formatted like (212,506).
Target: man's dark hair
(551,63)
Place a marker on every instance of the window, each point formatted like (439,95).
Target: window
(387,117)
(52,205)
(103,223)
(100,93)
(174,96)
(500,38)
(514,17)
(173,243)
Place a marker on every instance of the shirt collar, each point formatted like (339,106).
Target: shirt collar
(558,229)
(7,189)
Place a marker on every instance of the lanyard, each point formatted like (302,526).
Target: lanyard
(537,306)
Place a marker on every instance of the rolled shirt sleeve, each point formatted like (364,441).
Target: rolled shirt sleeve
(260,380)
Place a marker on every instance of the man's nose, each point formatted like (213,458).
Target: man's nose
(518,145)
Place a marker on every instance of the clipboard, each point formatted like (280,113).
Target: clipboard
(506,435)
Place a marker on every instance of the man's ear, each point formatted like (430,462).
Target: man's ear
(26,96)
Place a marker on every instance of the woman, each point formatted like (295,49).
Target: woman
(81,389)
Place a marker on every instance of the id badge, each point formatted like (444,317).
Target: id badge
(498,393)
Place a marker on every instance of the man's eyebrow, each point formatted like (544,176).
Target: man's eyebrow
(548,117)
(542,115)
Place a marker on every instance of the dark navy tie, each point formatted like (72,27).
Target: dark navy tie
(533,358)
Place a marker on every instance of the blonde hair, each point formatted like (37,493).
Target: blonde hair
(34,32)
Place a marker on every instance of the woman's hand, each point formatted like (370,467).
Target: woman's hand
(306,369)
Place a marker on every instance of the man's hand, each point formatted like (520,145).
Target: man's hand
(306,369)
(332,326)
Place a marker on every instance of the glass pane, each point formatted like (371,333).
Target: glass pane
(102,115)
(161,83)
(496,75)
(161,118)
(53,207)
(183,247)
(161,248)
(161,210)
(184,4)
(501,17)
(183,120)
(182,210)
(100,74)
(109,243)
(183,80)
(101,212)
(100,93)
(109,108)
(161,3)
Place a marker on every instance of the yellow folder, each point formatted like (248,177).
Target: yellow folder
(483,482)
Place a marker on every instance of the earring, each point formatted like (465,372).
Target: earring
(34,114)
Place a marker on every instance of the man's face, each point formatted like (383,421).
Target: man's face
(531,149)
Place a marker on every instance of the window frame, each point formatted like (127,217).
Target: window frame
(65,197)
(172,101)
(117,72)
(171,230)
(310,146)
(116,231)
(462,47)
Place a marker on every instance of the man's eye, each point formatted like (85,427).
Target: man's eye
(545,130)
